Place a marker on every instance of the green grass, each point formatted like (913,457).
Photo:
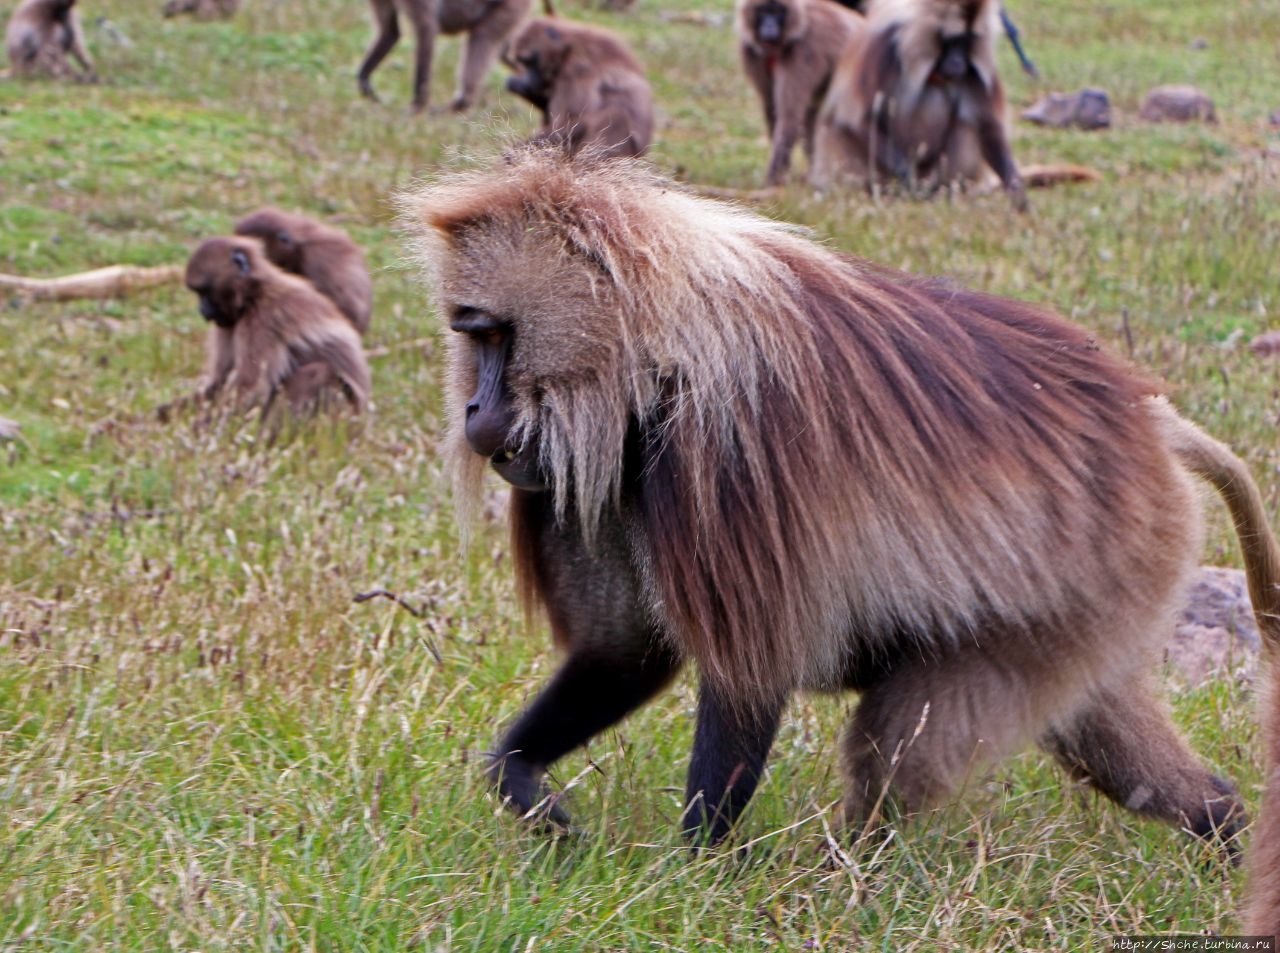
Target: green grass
(206,744)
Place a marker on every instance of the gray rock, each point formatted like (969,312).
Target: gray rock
(1215,633)
(1087,109)
(1177,103)
(1266,344)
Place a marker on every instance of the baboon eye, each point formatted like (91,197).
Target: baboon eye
(241,261)
(284,238)
(481,327)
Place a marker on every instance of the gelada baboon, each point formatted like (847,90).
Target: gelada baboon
(487,24)
(590,88)
(801,471)
(916,99)
(318,252)
(202,9)
(1011,32)
(40,35)
(272,333)
(789,50)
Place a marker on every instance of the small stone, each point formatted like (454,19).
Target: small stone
(1215,632)
(1177,103)
(1266,344)
(1087,109)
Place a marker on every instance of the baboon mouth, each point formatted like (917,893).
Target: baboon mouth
(519,468)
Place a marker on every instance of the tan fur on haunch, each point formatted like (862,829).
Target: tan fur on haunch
(1217,464)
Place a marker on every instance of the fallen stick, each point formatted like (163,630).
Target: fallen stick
(1044,176)
(115,281)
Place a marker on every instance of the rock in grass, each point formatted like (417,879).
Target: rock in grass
(1087,109)
(1215,632)
(1178,103)
(1266,344)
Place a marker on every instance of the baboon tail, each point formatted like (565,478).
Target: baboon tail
(1217,464)
(1213,461)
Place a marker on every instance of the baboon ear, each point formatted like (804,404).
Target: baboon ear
(453,222)
(240,260)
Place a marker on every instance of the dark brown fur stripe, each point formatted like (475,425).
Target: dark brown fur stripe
(962,442)
(923,386)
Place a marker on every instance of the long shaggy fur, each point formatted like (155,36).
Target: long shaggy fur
(873,454)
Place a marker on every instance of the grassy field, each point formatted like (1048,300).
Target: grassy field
(207,744)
